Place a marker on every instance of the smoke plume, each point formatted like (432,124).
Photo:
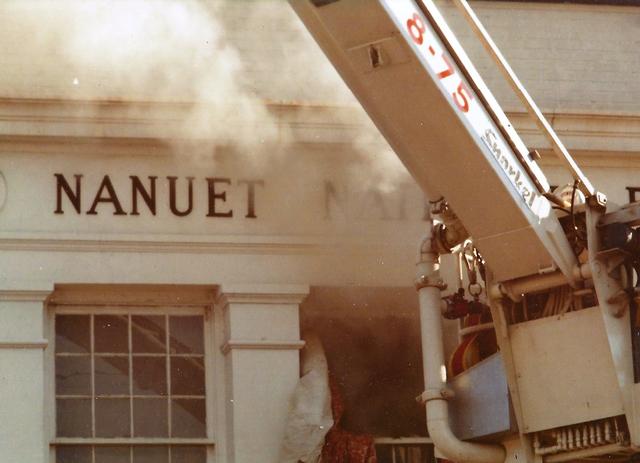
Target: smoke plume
(221,59)
(166,51)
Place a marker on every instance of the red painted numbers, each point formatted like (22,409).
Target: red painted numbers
(462,96)
(449,69)
(414,25)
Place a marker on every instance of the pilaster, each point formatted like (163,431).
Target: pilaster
(24,436)
(260,346)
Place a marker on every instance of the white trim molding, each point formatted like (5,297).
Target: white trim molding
(71,126)
(585,132)
(402,440)
(261,294)
(250,344)
(37,344)
(25,290)
(132,441)
(24,295)
(197,244)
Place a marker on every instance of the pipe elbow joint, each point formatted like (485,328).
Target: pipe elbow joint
(460,451)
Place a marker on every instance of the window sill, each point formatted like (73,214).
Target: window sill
(402,440)
(131,441)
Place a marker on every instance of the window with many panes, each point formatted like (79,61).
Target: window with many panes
(130,387)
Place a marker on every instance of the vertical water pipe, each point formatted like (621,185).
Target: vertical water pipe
(429,285)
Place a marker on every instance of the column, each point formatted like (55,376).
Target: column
(24,417)
(261,351)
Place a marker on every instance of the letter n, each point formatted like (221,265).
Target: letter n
(333,196)
(73,196)
(149,197)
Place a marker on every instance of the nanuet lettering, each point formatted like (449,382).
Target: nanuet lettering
(75,194)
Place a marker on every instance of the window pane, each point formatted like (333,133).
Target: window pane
(148,334)
(112,375)
(188,454)
(73,375)
(188,418)
(384,453)
(115,345)
(149,375)
(72,333)
(112,417)
(151,454)
(110,333)
(112,454)
(73,417)
(186,335)
(73,454)
(187,376)
(150,417)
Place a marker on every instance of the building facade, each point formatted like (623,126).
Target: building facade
(168,242)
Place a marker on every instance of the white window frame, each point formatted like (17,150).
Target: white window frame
(137,305)
(394,443)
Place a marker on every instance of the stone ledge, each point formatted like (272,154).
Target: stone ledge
(261,294)
(36,344)
(25,290)
(246,344)
(49,126)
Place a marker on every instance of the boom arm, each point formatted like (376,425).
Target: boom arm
(411,75)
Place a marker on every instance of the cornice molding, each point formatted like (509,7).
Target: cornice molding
(146,128)
(584,132)
(24,295)
(261,294)
(185,247)
(238,244)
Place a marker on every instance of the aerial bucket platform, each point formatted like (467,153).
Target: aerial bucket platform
(566,382)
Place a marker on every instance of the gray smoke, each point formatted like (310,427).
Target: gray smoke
(222,60)
(172,51)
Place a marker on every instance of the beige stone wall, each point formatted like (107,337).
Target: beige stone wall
(579,62)
(570,57)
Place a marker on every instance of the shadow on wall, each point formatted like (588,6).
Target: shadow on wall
(371,337)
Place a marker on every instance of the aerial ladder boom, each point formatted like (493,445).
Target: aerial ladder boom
(413,78)
(580,347)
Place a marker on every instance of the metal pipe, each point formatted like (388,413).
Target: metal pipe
(558,147)
(514,289)
(453,233)
(475,329)
(444,440)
